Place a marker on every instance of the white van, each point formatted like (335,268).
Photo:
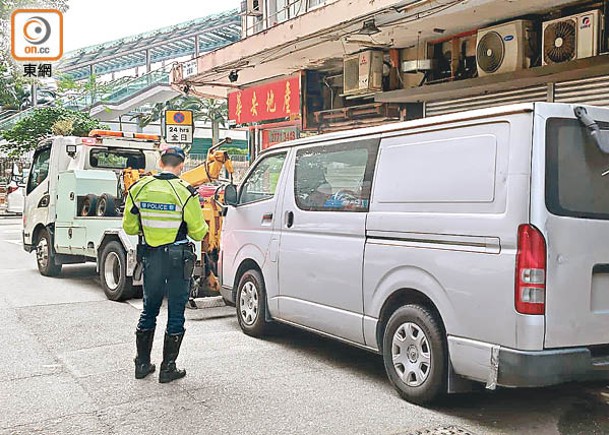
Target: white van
(468,247)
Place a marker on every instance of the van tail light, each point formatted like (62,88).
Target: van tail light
(12,189)
(530,288)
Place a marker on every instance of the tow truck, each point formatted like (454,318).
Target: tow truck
(75,199)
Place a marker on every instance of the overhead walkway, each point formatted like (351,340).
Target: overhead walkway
(140,52)
(191,38)
(118,98)
(125,96)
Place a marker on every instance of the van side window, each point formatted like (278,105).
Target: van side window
(335,177)
(262,181)
(40,169)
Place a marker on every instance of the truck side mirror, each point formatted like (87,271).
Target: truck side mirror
(231,196)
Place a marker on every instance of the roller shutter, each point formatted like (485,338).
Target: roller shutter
(593,91)
(526,95)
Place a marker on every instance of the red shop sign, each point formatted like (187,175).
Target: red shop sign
(277,135)
(274,101)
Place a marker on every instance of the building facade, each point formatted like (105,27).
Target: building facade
(346,63)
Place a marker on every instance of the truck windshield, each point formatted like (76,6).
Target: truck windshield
(575,184)
(117,159)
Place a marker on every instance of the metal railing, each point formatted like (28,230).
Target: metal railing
(8,122)
(6,114)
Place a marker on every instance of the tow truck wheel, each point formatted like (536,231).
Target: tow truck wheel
(112,272)
(89,205)
(106,206)
(251,306)
(45,255)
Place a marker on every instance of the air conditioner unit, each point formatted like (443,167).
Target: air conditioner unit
(363,73)
(505,48)
(572,37)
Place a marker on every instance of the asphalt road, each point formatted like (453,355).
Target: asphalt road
(66,368)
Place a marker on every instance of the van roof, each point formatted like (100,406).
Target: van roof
(408,125)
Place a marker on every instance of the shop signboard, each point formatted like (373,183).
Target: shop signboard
(276,101)
(274,136)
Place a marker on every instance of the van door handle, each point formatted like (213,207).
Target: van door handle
(289,219)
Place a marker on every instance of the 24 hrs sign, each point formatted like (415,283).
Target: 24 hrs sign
(179,126)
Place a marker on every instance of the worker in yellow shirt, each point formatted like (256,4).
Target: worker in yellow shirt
(163,210)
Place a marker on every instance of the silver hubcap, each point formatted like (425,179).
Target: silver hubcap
(411,354)
(42,253)
(248,303)
(112,270)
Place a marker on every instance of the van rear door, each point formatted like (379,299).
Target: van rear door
(571,207)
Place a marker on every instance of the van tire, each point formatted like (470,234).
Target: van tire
(251,304)
(428,380)
(112,272)
(45,254)
(89,205)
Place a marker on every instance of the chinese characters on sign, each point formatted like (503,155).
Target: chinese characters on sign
(271,102)
(189,68)
(179,126)
(40,70)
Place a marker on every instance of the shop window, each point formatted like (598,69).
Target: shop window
(314,3)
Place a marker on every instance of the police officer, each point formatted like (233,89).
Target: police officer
(164,210)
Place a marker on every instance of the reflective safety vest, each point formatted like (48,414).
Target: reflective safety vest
(164,209)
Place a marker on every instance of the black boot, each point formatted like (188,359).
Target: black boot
(143,342)
(171,350)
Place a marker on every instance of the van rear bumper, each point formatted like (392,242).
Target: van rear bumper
(549,367)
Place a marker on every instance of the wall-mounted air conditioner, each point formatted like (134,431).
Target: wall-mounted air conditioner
(363,73)
(505,48)
(572,37)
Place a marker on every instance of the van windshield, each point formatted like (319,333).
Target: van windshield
(575,185)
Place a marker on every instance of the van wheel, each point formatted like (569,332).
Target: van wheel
(112,272)
(106,205)
(89,205)
(45,255)
(251,305)
(415,354)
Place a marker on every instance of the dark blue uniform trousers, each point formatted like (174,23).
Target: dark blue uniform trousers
(164,276)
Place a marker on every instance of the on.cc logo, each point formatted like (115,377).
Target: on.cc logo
(37,30)
(37,34)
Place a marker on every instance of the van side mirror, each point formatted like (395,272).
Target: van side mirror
(231,196)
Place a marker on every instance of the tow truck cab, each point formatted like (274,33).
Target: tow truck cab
(69,178)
